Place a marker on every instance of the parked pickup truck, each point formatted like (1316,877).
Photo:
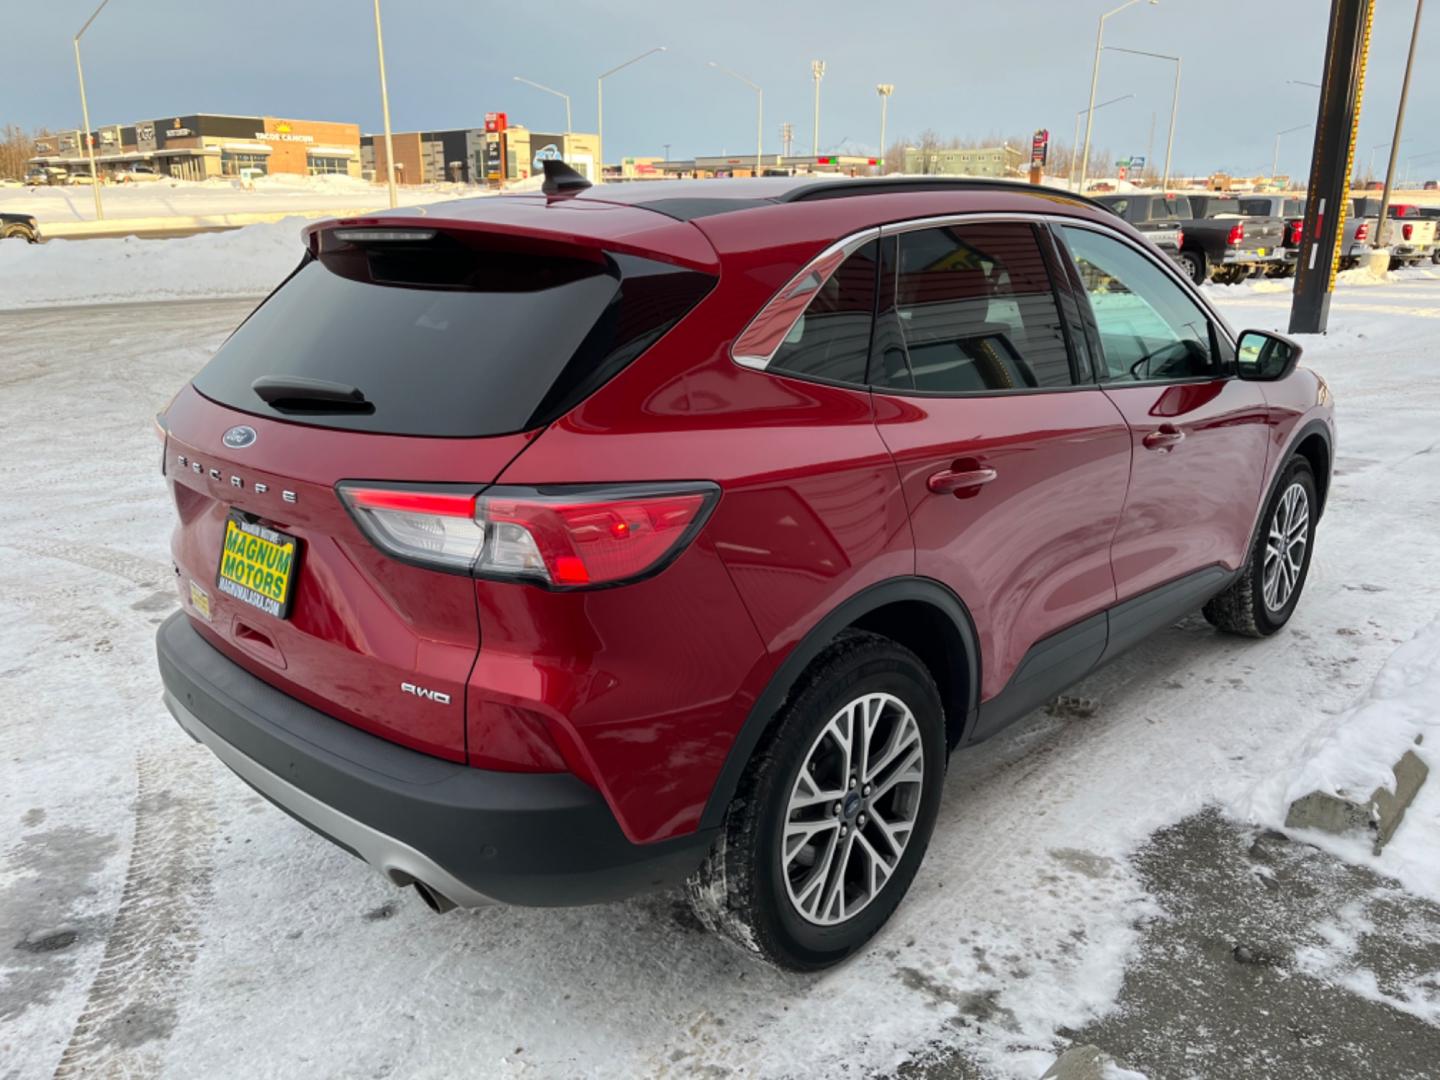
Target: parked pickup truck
(1159,217)
(1224,245)
(19,227)
(1432,213)
(1291,209)
(1410,236)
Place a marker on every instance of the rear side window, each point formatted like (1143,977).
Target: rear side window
(976,311)
(831,341)
(1163,210)
(446,339)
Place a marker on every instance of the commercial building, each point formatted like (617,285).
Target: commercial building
(203,145)
(487,154)
(1004,160)
(737,165)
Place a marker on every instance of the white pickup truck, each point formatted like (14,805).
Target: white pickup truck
(1410,237)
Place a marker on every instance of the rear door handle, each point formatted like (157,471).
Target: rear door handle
(1163,438)
(949,481)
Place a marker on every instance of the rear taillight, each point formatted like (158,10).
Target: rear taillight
(1179,238)
(1407,230)
(1296,227)
(1237,233)
(1362,231)
(560,537)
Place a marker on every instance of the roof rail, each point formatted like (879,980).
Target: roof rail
(840,187)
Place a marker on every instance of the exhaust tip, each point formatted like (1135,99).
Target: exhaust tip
(434,900)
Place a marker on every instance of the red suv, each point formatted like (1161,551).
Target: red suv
(542,549)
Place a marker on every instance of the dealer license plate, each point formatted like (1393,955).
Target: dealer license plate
(257,566)
(1263,251)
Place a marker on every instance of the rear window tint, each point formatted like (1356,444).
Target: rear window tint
(449,340)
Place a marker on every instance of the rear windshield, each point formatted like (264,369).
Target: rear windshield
(441,339)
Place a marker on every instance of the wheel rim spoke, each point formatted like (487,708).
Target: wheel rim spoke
(1285,547)
(852,808)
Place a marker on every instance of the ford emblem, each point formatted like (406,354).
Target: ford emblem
(237,438)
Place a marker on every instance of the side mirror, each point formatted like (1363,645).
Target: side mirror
(1266,357)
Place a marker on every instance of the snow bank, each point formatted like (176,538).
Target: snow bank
(242,262)
(1356,753)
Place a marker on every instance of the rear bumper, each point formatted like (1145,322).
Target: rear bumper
(473,836)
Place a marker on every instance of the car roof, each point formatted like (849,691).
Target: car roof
(686,200)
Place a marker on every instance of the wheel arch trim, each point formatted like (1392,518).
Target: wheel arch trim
(1315,427)
(868,600)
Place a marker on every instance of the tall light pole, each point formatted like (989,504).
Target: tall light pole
(1075,141)
(557,93)
(1174,103)
(85,113)
(1275,160)
(1399,119)
(759,111)
(884,89)
(817,72)
(1095,83)
(600,104)
(385,112)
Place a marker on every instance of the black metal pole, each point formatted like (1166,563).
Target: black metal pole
(1327,198)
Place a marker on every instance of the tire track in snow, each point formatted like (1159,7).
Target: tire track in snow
(134,998)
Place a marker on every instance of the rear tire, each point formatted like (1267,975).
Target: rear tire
(1262,599)
(18,232)
(1196,265)
(805,886)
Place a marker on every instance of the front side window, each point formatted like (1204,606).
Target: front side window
(976,311)
(1150,330)
(831,340)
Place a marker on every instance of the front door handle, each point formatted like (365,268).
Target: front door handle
(950,481)
(1164,437)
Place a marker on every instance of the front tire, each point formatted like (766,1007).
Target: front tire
(1263,597)
(833,816)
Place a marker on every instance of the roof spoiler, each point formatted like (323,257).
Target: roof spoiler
(561,179)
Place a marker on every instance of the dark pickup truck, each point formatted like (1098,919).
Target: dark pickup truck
(1224,245)
(1159,217)
(20,227)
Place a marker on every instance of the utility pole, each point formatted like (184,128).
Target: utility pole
(1347,47)
(817,72)
(385,110)
(85,114)
(787,138)
(1399,123)
(884,90)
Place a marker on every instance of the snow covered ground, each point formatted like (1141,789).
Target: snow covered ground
(188,198)
(166,920)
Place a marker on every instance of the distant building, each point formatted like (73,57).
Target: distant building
(1002,160)
(203,145)
(475,155)
(739,165)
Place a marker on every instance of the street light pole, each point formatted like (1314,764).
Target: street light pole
(1095,84)
(548,90)
(385,111)
(85,114)
(817,72)
(884,90)
(1275,161)
(600,104)
(1400,119)
(759,110)
(1075,139)
(1174,103)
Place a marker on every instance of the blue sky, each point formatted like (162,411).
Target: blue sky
(961,67)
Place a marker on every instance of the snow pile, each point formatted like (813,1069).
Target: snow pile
(1356,753)
(240,262)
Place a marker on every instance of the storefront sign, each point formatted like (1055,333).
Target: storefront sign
(283,133)
(495,121)
(1039,149)
(546,148)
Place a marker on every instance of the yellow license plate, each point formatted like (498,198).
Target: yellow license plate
(257,566)
(1264,251)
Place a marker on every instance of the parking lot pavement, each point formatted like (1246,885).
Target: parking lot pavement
(158,918)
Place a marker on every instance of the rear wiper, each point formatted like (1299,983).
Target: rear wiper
(297,393)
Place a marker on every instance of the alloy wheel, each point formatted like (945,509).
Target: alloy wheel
(852,809)
(1285,547)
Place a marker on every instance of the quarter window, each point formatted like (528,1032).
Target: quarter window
(976,311)
(831,341)
(1150,330)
